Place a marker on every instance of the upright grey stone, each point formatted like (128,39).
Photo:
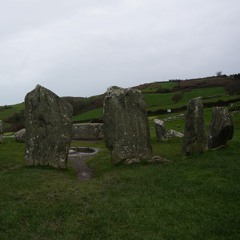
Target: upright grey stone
(221,128)
(48,128)
(126,129)
(160,130)
(1,132)
(194,140)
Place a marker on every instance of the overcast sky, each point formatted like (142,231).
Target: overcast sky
(81,47)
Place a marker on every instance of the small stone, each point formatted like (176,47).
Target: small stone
(173,133)
(20,135)
(158,159)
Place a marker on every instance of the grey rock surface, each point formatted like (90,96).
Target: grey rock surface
(173,133)
(48,128)
(20,135)
(160,130)
(87,131)
(194,140)
(126,129)
(221,129)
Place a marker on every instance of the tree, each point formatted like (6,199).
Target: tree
(177,96)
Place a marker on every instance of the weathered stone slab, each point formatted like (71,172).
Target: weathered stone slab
(173,133)
(160,130)
(1,131)
(221,128)
(87,131)
(126,129)
(48,128)
(194,140)
(20,135)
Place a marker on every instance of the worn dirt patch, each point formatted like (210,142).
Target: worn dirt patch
(78,162)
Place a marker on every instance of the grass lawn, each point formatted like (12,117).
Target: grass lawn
(191,198)
(87,116)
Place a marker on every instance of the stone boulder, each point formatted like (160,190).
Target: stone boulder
(1,131)
(87,131)
(160,130)
(48,128)
(173,133)
(20,135)
(221,128)
(194,140)
(126,129)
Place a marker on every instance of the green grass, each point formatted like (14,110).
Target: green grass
(192,198)
(87,116)
(165,99)
(154,87)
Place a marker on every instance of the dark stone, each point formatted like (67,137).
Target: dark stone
(126,129)
(48,128)
(221,128)
(194,140)
(160,130)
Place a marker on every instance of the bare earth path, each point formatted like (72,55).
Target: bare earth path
(77,160)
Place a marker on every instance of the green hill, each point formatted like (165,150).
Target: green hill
(159,96)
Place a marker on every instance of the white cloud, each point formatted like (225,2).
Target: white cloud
(79,48)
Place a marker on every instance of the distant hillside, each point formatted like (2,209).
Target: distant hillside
(175,94)
(159,96)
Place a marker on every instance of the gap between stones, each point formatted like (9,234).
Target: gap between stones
(78,156)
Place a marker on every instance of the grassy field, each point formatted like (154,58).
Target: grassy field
(96,113)
(156,101)
(5,113)
(154,87)
(192,198)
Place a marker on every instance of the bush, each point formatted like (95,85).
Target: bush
(177,97)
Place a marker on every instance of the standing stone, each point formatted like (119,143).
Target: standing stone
(48,128)
(20,135)
(194,140)
(1,132)
(126,129)
(161,132)
(221,129)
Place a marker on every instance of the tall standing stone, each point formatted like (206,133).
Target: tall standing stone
(194,140)
(221,128)
(126,129)
(48,128)
(1,132)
